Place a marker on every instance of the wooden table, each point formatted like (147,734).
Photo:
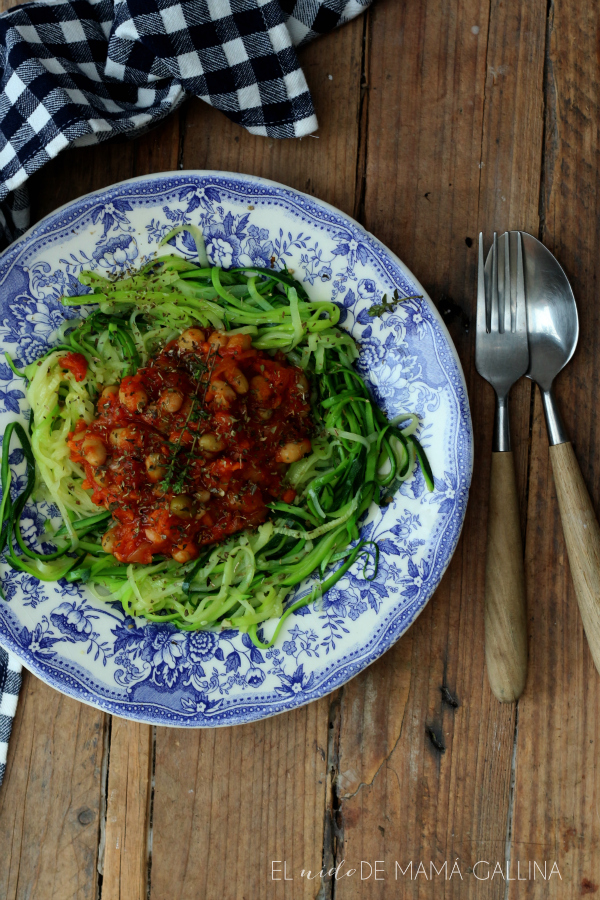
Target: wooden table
(439,118)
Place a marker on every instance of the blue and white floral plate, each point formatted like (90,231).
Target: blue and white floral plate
(153,673)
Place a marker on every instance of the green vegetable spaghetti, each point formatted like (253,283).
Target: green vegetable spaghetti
(265,344)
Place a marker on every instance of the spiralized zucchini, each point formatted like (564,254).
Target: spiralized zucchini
(358,456)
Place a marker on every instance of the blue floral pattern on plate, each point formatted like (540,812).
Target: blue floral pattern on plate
(152,672)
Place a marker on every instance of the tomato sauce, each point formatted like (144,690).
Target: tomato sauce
(191,448)
(75,363)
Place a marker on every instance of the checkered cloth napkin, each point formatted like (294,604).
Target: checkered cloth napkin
(80,71)
(75,72)
(10,682)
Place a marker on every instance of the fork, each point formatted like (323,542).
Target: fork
(502,357)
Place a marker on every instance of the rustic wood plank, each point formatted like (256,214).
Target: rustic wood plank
(558,774)
(230,802)
(441,164)
(158,150)
(50,798)
(79,171)
(127,811)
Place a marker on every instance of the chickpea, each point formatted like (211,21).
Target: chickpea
(155,467)
(260,388)
(191,340)
(239,342)
(107,395)
(140,554)
(109,540)
(265,414)
(218,340)
(202,496)
(186,407)
(171,400)
(182,506)
(211,443)
(94,450)
(183,553)
(123,438)
(237,380)
(132,395)
(221,393)
(293,451)
(101,476)
(154,536)
(302,382)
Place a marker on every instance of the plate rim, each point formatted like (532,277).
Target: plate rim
(340,678)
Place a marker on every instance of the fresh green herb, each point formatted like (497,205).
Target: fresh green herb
(390,305)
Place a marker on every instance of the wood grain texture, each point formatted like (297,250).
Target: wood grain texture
(558,775)
(505,612)
(77,172)
(231,802)
(582,539)
(51,797)
(125,865)
(441,164)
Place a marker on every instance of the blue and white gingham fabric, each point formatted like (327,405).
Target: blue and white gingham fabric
(75,72)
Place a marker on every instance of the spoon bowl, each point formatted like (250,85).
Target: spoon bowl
(552,320)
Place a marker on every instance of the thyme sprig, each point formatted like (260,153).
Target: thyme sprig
(195,413)
(390,305)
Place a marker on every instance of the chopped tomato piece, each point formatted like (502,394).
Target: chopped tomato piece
(75,363)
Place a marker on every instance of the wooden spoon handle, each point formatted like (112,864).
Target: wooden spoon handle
(582,537)
(505,610)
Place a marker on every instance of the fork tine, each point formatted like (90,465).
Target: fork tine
(507,306)
(521,306)
(494,305)
(481,311)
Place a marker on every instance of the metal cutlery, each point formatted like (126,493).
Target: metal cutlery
(502,357)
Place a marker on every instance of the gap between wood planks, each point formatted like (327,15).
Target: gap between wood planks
(548,136)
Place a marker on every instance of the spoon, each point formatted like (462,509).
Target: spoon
(553,330)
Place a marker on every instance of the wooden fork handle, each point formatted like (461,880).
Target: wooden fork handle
(582,537)
(505,608)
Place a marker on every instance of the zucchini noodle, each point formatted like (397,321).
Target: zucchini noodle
(358,456)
